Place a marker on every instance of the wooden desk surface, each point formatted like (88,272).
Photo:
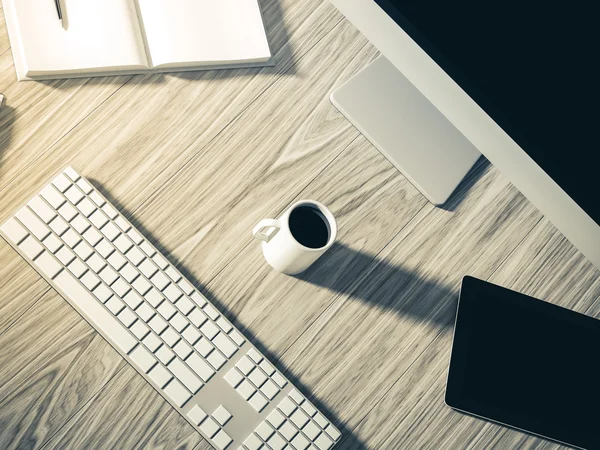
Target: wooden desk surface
(195,160)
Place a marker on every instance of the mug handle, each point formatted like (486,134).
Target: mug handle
(259,233)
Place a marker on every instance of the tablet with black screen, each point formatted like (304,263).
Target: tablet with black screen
(527,364)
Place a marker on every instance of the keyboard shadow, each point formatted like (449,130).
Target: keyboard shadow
(7,120)
(349,440)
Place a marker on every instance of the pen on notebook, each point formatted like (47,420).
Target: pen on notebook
(58,10)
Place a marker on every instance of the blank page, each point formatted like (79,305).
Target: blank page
(184,33)
(98,35)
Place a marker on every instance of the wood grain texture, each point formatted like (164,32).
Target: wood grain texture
(19,283)
(51,363)
(195,160)
(4,43)
(392,313)
(129,413)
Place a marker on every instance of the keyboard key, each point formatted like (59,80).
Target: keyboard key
(160,280)
(110,231)
(166,310)
(104,248)
(84,186)
(141,285)
(196,415)
(35,226)
(178,322)
(257,377)
(120,287)
(184,305)
(287,406)
(202,369)
(97,199)
(309,409)
(14,231)
(108,275)
(245,389)
(253,442)
(123,243)
(299,418)
(148,268)
(279,380)
(288,431)
(61,182)
(276,442)
(83,250)
(67,212)
(80,224)
(245,365)
(209,330)
(254,356)
(140,329)
(173,274)
(300,442)
(177,393)
(147,249)
(71,173)
(110,212)
(48,265)
(186,287)
(115,305)
(90,280)
(223,343)
(311,430)
(191,335)
(59,226)
(52,196)
(127,317)
(204,347)
(265,431)
(158,324)
(102,293)
(258,402)
(185,375)
(323,442)
(197,317)
(96,263)
(171,337)
(102,319)
(122,223)
(99,219)
(221,440)
(209,427)
(267,367)
(116,260)
(153,297)
(223,324)
(143,358)
(160,375)
(65,255)
(160,261)
(41,208)
(269,389)
(182,349)
(129,273)
(92,236)
(145,312)
(296,396)
(221,415)
(276,418)
(332,432)
(77,268)
(234,378)
(165,354)
(31,247)
(172,292)
(86,207)
(211,311)
(152,342)
(74,194)
(321,420)
(135,256)
(135,236)
(198,299)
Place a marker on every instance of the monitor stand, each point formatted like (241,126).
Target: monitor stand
(410,132)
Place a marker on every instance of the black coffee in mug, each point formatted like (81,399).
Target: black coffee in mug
(309,227)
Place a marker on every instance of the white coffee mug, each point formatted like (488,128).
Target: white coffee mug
(285,252)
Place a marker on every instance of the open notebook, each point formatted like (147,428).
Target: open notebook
(102,37)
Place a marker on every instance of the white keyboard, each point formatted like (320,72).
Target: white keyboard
(176,339)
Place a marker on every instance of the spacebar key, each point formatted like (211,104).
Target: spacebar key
(95,312)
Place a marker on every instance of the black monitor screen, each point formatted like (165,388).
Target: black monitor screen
(533,67)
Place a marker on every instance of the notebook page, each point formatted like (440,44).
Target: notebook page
(98,35)
(188,33)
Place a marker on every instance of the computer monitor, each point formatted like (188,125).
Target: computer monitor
(517,80)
